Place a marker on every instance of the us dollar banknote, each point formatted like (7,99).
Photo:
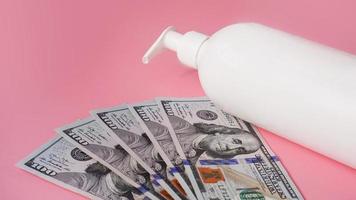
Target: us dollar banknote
(149,116)
(227,154)
(121,125)
(61,163)
(94,140)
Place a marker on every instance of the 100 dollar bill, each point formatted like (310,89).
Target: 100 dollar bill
(123,128)
(229,156)
(150,117)
(92,139)
(61,163)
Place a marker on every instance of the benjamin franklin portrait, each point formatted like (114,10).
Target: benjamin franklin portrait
(216,141)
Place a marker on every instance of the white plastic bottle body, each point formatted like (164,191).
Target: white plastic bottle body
(300,90)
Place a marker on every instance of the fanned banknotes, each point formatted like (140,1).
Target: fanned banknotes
(92,139)
(122,126)
(150,117)
(60,162)
(228,155)
(168,149)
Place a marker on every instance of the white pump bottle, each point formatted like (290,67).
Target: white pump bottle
(298,89)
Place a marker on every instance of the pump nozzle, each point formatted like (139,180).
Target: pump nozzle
(167,39)
(186,46)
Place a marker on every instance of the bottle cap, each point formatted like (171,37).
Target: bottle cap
(187,46)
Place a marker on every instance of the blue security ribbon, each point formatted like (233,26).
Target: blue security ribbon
(174,170)
(275,158)
(257,160)
(157,176)
(235,162)
(154,182)
(219,162)
(186,162)
(142,189)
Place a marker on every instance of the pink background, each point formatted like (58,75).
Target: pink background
(61,58)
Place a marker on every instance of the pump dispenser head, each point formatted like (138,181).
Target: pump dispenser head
(187,46)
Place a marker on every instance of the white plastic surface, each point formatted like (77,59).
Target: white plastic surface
(298,89)
(187,46)
(161,43)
